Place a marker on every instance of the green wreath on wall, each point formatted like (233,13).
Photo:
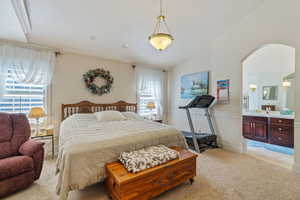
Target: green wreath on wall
(89,79)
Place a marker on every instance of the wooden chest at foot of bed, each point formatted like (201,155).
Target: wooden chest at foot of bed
(122,185)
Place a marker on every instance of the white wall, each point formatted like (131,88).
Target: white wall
(69,87)
(276,21)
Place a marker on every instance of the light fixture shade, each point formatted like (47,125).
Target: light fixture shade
(151,105)
(253,87)
(161,41)
(36,112)
(286,83)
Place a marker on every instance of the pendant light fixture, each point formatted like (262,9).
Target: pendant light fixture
(161,40)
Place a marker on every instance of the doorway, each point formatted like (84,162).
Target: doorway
(269,104)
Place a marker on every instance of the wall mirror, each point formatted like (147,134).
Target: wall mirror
(270,92)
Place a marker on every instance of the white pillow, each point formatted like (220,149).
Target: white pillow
(110,115)
(132,116)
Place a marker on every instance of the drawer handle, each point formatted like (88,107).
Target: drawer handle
(280,129)
(279,138)
(280,121)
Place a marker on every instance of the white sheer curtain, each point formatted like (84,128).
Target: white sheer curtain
(27,65)
(153,82)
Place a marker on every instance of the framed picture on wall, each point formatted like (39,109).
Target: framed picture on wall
(223,91)
(195,84)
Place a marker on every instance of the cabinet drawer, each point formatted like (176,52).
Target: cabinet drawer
(280,121)
(283,130)
(283,137)
(255,119)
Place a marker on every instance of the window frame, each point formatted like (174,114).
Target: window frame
(21,97)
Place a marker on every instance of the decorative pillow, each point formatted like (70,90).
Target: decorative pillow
(149,157)
(110,115)
(132,116)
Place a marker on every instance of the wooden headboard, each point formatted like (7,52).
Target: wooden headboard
(88,107)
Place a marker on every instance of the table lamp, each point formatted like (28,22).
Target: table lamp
(37,113)
(151,106)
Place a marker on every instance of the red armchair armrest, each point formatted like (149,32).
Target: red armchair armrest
(30,147)
(35,150)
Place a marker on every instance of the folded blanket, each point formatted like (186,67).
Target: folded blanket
(149,157)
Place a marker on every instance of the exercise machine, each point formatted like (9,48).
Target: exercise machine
(201,141)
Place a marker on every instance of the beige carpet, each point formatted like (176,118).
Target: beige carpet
(280,159)
(222,175)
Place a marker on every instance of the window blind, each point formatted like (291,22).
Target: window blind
(19,97)
(146,96)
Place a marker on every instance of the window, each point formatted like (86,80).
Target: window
(20,98)
(145,97)
(150,88)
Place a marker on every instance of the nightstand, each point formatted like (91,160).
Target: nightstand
(46,133)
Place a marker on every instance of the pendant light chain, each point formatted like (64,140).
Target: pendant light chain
(159,20)
(168,29)
(157,27)
(161,11)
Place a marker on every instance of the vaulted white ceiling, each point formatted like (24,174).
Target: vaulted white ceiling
(101,28)
(10,27)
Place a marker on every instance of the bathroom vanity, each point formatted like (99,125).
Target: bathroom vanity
(270,128)
(269,95)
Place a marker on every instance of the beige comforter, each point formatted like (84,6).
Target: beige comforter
(85,146)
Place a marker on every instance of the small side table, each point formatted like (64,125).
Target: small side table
(46,134)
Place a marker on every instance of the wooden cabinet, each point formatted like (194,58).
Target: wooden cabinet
(144,185)
(260,131)
(271,130)
(281,132)
(247,129)
(282,122)
(255,128)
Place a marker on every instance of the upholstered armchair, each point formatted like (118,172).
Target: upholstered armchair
(21,159)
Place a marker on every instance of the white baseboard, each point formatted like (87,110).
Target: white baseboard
(232,147)
(296,168)
(297,124)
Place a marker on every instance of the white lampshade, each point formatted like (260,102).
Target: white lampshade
(286,83)
(161,41)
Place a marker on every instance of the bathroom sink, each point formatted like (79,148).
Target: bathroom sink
(275,114)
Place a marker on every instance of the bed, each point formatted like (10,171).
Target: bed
(86,145)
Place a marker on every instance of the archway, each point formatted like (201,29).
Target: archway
(268,102)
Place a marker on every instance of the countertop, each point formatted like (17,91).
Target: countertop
(274,114)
